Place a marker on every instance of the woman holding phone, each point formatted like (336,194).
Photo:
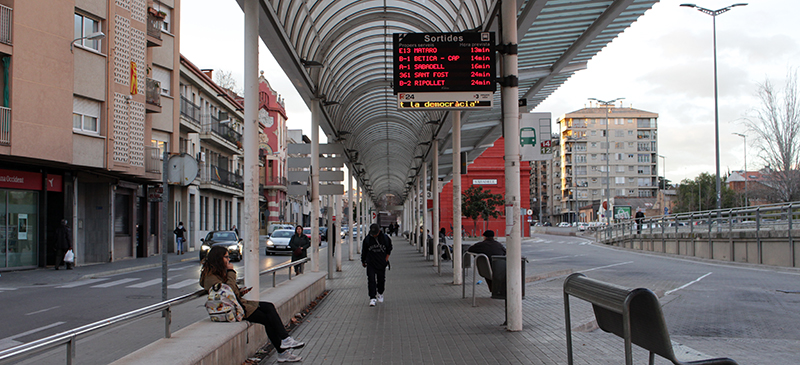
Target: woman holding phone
(217,268)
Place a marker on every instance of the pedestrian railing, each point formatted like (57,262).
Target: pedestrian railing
(756,219)
(69,338)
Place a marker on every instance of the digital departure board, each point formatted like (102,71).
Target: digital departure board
(444,62)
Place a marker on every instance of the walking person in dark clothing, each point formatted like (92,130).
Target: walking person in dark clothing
(180,234)
(639,219)
(217,268)
(375,251)
(488,247)
(299,243)
(63,244)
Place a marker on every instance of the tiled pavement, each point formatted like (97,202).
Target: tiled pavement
(424,320)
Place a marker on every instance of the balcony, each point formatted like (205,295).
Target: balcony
(5,126)
(216,175)
(153,160)
(273,183)
(153,96)
(190,111)
(153,28)
(5,24)
(212,125)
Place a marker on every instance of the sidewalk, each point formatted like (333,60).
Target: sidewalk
(424,320)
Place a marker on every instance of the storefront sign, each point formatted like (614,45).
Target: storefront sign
(29,180)
(484,181)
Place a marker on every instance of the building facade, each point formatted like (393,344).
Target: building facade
(605,148)
(272,147)
(87,112)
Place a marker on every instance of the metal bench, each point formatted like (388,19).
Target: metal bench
(632,314)
(483,267)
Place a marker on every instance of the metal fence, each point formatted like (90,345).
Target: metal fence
(5,126)
(5,24)
(69,338)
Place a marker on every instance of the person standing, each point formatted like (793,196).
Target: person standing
(299,244)
(63,244)
(639,219)
(488,247)
(375,251)
(180,233)
(217,269)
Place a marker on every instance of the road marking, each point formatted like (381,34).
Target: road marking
(554,258)
(113,283)
(687,284)
(82,282)
(184,283)
(10,340)
(43,310)
(145,284)
(5,289)
(607,266)
(180,268)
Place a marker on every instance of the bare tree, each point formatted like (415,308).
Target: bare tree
(775,128)
(225,80)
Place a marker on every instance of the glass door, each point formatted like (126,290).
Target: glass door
(22,231)
(3,230)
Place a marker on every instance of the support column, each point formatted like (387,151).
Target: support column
(435,190)
(333,237)
(330,213)
(350,208)
(250,144)
(457,264)
(510,94)
(316,114)
(360,219)
(424,198)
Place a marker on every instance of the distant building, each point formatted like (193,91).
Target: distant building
(272,147)
(631,153)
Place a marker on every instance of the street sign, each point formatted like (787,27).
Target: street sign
(444,62)
(534,137)
(529,211)
(374,216)
(445,100)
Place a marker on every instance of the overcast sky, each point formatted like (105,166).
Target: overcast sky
(663,64)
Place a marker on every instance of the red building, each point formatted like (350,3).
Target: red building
(488,171)
(272,152)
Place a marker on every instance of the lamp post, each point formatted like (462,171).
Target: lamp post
(606,104)
(745,166)
(663,181)
(92,37)
(714,14)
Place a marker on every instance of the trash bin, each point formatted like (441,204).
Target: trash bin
(499,277)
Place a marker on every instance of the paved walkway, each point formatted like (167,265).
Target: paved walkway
(424,320)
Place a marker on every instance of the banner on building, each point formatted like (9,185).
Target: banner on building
(534,137)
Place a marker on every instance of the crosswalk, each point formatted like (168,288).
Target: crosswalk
(134,283)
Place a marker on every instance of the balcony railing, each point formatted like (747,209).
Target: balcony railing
(190,110)
(212,124)
(153,159)
(5,126)
(216,174)
(153,26)
(276,181)
(5,24)
(153,92)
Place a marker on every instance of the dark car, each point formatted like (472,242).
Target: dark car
(323,233)
(228,239)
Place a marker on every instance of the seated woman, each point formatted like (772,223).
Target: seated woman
(217,268)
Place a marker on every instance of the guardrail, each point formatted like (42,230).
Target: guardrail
(69,338)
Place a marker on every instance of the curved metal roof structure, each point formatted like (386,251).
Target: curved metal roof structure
(338,53)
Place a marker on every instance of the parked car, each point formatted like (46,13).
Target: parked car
(564,224)
(278,242)
(278,226)
(323,233)
(227,239)
(582,226)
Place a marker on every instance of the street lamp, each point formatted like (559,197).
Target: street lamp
(745,166)
(92,37)
(664,181)
(606,104)
(714,14)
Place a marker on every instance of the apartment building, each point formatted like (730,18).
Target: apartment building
(272,147)
(87,112)
(542,189)
(605,147)
(211,131)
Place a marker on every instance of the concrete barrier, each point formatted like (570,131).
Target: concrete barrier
(213,343)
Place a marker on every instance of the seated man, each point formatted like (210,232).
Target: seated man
(488,247)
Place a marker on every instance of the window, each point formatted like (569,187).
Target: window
(619,145)
(165,23)
(619,133)
(603,145)
(85,115)
(630,168)
(620,168)
(594,144)
(594,133)
(620,180)
(630,156)
(84,27)
(163,76)
(594,156)
(580,158)
(630,132)
(643,170)
(618,156)
(644,158)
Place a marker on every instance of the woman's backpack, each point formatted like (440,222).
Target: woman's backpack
(222,305)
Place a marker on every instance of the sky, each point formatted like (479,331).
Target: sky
(663,63)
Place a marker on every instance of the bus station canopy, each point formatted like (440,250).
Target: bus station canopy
(338,54)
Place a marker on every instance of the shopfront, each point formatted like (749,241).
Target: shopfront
(20,219)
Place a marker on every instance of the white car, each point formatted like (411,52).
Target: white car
(564,225)
(278,241)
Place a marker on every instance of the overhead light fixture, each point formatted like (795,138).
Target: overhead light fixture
(311,64)
(329,103)
(92,37)
(425,143)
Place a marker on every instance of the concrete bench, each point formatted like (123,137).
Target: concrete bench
(632,314)
(208,343)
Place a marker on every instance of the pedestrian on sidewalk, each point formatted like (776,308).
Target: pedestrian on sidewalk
(63,244)
(179,238)
(488,247)
(299,243)
(375,251)
(639,219)
(217,268)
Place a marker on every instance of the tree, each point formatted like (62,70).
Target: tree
(700,194)
(225,80)
(775,131)
(477,203)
